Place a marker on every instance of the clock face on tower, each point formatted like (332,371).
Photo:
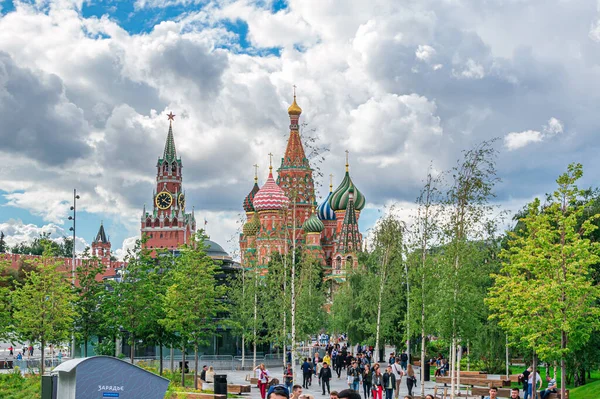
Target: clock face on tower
(181,201)
(164,200)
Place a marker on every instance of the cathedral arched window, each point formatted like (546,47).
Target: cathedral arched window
(338,263)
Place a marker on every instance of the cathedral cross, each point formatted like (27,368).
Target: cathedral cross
(255,173)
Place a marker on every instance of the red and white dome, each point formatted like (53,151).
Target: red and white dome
(270,196)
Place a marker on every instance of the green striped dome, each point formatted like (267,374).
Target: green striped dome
(339,199)
(313,224)
(252,226)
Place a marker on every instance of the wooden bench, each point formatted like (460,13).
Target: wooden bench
(475,381)
(502,392)
(252,380)
(557,395)
(239,389)
(6,364)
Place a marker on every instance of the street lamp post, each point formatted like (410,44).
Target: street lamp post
(73,218)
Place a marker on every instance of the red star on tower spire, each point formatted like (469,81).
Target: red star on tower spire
(171,116)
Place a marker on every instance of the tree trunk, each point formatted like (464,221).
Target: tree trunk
(243,350)
(42,363)
(459,357)
(534,382)
(132,348)
(171,356)
(293,290)
(423,350)
(183,366)
(507,366)
(563,368)
(195,366)
(468,356)
(381,286)
(85,345)
(452,366)
(160,362)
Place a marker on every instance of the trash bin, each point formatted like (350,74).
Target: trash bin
(220,384)
(426,371)
(49,386)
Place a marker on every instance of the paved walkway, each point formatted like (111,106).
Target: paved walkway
(337,384)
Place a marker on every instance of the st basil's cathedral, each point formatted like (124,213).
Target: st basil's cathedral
(285,209)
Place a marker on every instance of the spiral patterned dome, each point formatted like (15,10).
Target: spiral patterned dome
(324,210)
(313,224)
(270,196)
(252,226)
(248,201)
(338,200)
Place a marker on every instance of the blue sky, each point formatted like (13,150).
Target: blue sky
(85,88)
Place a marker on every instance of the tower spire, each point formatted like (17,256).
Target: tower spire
(170,153)
(331,182)
(347,164)
(255,173)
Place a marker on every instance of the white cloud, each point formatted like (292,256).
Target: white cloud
(514,141)
(16,232)
(425,53)
(366,81)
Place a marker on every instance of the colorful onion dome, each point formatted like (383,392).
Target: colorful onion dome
(270,196)
(339,198)
(248,201)
(324,210)
(294,109)
(252,226)
(313,224)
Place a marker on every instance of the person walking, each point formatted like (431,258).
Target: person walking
(411,380)
(339,364)
(354,376)
(532,384)
(367,378)
(288,377)
(306,373)
(377,382)
(263,379)
(389,383)
(325,377)
(398,373)
(525,380)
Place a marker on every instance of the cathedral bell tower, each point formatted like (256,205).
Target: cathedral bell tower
(168,226)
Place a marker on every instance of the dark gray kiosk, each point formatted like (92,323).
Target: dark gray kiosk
(101,377)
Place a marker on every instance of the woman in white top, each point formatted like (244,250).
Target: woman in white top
(263,376)
(210,375)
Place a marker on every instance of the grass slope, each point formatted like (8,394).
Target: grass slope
(588,391)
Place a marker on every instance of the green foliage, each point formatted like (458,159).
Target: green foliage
(192,299)
(5,311)
(130,302)
(43,306)
(544,288)
(89,294)
(3,245)
(15,386)
(488,349)
(310,298)
(43,243)
(275,299)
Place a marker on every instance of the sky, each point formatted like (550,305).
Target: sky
(85,87)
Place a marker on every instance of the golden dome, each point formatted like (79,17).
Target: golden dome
(294,109)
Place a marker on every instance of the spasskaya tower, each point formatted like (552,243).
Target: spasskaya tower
(168,226)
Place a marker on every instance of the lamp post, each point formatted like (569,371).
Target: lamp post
(73,218)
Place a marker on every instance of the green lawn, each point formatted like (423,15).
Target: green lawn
(588,391)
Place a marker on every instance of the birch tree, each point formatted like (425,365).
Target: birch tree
(423,236)
(43,306)
(544,295)
(468,217)
(388,248)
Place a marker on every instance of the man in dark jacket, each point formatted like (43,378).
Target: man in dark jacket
(325,377)
(306,373)
(389,383)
